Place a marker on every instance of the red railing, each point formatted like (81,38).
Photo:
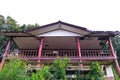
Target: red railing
(60,53)
(28,53)
(65,53)
(96,53)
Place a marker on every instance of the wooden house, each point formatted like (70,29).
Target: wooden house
(44,44)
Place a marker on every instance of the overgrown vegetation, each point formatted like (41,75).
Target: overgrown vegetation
(42,74)
(59,67)
(16,70)
(115,73)
(13,70)
(96,73)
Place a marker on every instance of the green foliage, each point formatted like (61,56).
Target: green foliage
(96,72)
(13,70)
(115,73)
(59,68)
(116,45)
(11,24)
(42,74)
(25,27)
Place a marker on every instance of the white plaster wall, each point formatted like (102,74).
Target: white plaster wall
(109,71)
(59,33)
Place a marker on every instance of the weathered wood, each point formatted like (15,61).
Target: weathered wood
(65,53)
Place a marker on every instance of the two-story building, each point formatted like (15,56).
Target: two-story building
(44,44)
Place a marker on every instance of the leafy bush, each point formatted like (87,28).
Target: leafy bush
(96,73)
(59,68)
(13,70)
(42,74)
(115,73)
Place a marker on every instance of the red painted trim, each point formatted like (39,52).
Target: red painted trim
(40,51)
(113,53)
(5,54)
(79,51)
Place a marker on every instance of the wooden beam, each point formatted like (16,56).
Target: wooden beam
(40,51)
(79,51)
(114,54)
(7,50)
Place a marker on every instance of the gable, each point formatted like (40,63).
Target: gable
(60,33)
(59,27)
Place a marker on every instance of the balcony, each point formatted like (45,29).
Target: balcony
(71,54)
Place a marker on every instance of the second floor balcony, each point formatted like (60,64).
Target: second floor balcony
(72,54)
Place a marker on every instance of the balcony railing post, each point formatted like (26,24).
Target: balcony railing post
(40,51)
(79,51)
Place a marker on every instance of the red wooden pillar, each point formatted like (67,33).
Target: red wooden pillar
(40,51)
(7,50)
(79,51)
(114,54)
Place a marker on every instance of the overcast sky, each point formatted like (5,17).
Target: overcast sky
(92,14)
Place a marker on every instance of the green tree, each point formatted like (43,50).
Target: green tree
(95,73)
(116,45)
(3,39)
(59,68)
(10,24)
(2,22)
(25,27)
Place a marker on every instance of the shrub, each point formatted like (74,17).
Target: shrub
(13,70)
(42,74)
(96,73)
(59,68)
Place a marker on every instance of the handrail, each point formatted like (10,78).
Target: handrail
(65,53)
(28,53)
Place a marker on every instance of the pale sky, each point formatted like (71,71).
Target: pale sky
(92,14)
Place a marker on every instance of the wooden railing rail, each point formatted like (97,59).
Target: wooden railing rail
(28,53)
(96,53)
(60,53)
(65,53)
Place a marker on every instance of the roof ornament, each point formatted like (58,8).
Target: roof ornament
(59,25)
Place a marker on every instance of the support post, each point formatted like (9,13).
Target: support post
(40,51)
(114,54)
(7,50)
(79,52)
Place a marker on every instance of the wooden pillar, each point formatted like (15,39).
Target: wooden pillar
(7,50)
(79,51)
(40,51)
(114,54)
(111,47)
